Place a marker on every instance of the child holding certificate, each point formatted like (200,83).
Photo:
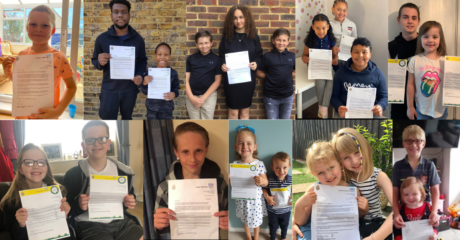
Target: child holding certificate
(240,34)
(414,206)
(321,36)
(190,143)
(279,210)
(355,154)
(426,72)
(41,25)
(341,26)
(159,108)
(33,172)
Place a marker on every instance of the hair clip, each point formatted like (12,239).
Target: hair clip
(243,127)
(357,143)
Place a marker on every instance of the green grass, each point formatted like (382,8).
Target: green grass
(303,178)
(306,177)
(296,197)
(298,166)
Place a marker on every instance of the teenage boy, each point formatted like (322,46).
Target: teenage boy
(403,47)
(359,71)
(95,143)
(202,77)
(278,217)
(119,94)
(417,166)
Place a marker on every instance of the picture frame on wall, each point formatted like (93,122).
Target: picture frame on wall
(53,151)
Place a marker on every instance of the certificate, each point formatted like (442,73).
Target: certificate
(396,80)
(242,181)
(451,88)
(160,84)
(417,230)
(281,196)
(33,84)
(360,102)
(194,201)
(335,213)
(122,62)
(238,64)
(345,47)
(320,64)
(45,220)
(106,197)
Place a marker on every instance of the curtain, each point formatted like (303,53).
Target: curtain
(123,141)
(19,136)
(158,156)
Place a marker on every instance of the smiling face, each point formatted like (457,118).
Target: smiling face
(413,149)
(191,150)
(120,15)
(409,20)
(320,28)
(245,145)
(340,11)
(162,56)
(352,161)
(96,151)
(431,40)
(360,55)
(33,174)
(281,168)
(204,45)
(412,196)
(39,28)
(328,173)
(238,20)
(281,42)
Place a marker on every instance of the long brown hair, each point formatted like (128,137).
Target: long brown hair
(249,24)
(442,49)
(12,198)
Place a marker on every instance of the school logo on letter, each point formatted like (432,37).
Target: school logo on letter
(54,190)
(121,180)
(253,168)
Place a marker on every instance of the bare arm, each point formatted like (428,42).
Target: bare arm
(306,52)
(410,96)
(263,180)
(303,207)
(387,227)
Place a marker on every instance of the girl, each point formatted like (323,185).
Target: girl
(426,73)
(320,36)
(342,26)
(323,164)
(239,35)
(279,67)
(356,155)
(250,212)
(159,108)
(33,172)
(414,207)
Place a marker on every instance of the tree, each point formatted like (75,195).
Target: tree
(13,30)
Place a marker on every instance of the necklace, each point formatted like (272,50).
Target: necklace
(239,37)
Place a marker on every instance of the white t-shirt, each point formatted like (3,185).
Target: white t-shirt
(429,77)
(347,28)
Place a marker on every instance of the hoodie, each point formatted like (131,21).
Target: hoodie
(102,45)
(371,77)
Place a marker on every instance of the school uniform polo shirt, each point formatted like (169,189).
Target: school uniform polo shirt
(425,171)
(202,69)
(275,182)
(278,67)
(325,43)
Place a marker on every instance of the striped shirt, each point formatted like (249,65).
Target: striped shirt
(274,182)
(371,192)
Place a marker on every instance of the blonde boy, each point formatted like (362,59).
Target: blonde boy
(40,27)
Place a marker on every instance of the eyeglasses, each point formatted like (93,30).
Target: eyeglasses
(30,162)
(100,140)
(410,141)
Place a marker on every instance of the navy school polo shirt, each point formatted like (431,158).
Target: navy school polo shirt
(325,43)
(274,182)
(278,67)
(425,171)
(202,69)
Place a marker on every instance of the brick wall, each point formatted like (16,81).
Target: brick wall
(156,22)
(269,15)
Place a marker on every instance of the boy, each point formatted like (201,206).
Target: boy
(281,179)
(119,94)
(359,71)
(41,25)
(95,143)
(415,165)
(202,78)
(404,46)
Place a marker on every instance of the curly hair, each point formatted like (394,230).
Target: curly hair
(249,24)
(310,40)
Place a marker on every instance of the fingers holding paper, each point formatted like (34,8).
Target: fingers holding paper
(129,201)
(253,66)
(342,111)
(103,58)
(225,68)
(65,207)
(377,110)
(223,219)
(21,216)
(169,96)
(162,216)
(83,201)
(47,113)
(257,180)
(147,79)
(398,221)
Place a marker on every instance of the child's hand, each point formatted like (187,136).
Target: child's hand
(147,79)
(310,198)
(137,80)
(225,68)
(162,216)
(337,49)
(305,59)
(270,200)
(103,58)
(196,101)
(398,221)
(21,216)
(434,219)
(47,113)
(257,179)
(335,61)
(169,96)
(7,64)
(223,219)
(290,201)
(83,202)
(129,201)
(296,231)
(377,110)
(342,111)
(362,203)
(434,236)
(65,207)
(411,112)
(253,66)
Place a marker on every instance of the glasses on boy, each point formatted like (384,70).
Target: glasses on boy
(30,162)
(410,141)
(100,140)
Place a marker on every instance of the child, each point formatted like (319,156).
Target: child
(96,142)
(31,160)
(324,165)
(359,71)
(342,26)
(278,69)
(240,34)
(320,36)
(355,153)
(156,108)
(415,165)
(202,78)
(190,137)
(414,207)
(426,73)
(280,179)
(41,25)
(246,152)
